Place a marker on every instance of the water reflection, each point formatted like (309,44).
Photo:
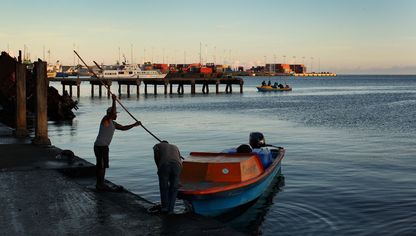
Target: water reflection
(351,164)
(249,218)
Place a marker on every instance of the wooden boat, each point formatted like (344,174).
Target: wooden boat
(213,184)
(267,88)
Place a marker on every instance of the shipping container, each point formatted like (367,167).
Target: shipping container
(206,70)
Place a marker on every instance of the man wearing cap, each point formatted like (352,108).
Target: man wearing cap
(103,140)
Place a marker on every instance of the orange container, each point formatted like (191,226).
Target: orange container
(206,70)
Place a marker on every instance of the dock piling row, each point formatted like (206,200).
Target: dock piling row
(166,82)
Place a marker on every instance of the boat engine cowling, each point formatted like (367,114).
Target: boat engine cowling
(257,140)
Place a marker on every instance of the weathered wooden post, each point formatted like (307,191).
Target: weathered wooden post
(138,82)
(21,123)
(100,91)
(193,86)
(166,87)
(180,88)
(109,83)
(205,88)
(41,126)
(229,87)
(217,87)
(155,88)
(78,87)
(92,89)
(70,90)
(241,85)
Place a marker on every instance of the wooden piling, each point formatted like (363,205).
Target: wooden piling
(21,122)
(138,82)
(92,89)
(100,90)
(108,83)
(241,86)
(229,88)
(78,87)
(41,126)
(192,86)
(180,88)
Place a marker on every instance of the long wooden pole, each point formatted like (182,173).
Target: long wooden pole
(118,101)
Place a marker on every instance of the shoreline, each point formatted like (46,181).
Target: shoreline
(44,194)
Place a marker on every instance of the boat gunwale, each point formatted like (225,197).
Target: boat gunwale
(186,194)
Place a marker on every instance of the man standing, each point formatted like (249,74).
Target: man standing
(169,166)
(103,140)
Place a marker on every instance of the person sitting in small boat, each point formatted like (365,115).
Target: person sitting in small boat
(287,86)
(280,85)
(257,140)
(244,148)
(269,83)
(275,85)
(263,83)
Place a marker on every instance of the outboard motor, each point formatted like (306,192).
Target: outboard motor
(257,140)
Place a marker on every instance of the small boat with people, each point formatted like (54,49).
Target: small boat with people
(215,184)
(266,88)
(131,71)
(273,88)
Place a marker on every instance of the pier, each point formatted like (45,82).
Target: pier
(168,84)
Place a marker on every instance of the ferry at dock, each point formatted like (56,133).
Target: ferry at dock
(131,71)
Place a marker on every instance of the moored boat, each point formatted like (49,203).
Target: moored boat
(131,71)
(213,184)
(54,71)
(267,88)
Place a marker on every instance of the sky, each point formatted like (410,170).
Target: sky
(345,37)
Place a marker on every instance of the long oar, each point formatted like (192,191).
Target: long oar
(118,101)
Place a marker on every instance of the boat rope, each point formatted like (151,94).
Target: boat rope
(118,101)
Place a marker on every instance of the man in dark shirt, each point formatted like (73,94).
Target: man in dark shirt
(169,166)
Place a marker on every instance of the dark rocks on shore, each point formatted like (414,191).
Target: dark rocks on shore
(59,106)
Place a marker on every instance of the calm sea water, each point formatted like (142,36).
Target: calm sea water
(350,161)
